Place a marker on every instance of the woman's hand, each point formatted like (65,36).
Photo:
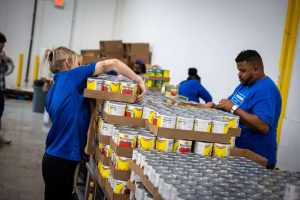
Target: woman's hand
(142,89)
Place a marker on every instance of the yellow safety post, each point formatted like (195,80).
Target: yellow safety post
(19,74)
(287,56)
(36,67)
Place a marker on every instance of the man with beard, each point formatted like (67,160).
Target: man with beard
(257,101)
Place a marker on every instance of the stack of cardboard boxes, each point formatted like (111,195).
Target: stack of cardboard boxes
(126,52)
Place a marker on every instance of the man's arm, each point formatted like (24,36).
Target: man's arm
(250,120)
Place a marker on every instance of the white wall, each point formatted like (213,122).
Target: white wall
(289,148)
(207,35)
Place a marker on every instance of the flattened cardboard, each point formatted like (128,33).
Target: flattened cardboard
(157,78)
(114,196)
(92,130)
(104,139)
(119,174)
(188,135)
(121,151)
(131,186)
(237,152)
(93,94)
(146,182)
(127,121)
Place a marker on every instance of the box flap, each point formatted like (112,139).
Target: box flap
(129,98)
(131,186)
(235,132)
(104,139)
(237,152)
(121,151)
(127,121)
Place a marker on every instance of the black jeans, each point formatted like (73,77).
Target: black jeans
(58,175)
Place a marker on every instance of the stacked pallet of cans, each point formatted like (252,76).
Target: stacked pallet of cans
(156,78)
(190,176)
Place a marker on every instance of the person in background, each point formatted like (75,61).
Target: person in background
(139,67)
(193,89)
(70,114)
(6,65)
(257,101)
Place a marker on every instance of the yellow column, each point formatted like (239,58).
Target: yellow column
(36,67)
(287,56)
(19,74)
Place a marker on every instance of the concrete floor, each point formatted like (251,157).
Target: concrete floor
(20,162)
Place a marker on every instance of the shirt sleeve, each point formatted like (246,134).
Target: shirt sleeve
(263,105)
(204,94)
(80,74)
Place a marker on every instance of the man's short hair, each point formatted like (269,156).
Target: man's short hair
(2,38)
(250,56)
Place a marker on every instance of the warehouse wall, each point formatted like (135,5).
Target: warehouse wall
(207,35)
(289,150)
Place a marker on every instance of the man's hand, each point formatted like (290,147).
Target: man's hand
(225,104)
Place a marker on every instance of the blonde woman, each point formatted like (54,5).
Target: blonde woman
(70,115)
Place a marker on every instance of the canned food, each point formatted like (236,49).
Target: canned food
(128,88)
(203,148)
(221,150)
(164,144)
(122,163)
(166,73)
(127,139)
(104,148)
(133,111)
(232,142)
(202,124)
(220,126)
(182,146)
(94,84)
(146,141)
(233,120)
(166,120)
(150,83)
(158,73)
(104,171)
(152,116)
(107,129)
(120,187)
(111,86)
(150,72)
(184,123)
(114,108)
(158,83)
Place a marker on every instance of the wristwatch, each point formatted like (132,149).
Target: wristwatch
(234,108)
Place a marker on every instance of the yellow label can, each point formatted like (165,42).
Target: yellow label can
(128,88)
(105,171)
(111,86)
(166,73)
(120,187)
(203,148)
(146,141)
(122,163)
(164,144)
(221,150)
(182,146)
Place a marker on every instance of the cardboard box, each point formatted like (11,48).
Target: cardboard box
(89,59)
(112,46)
(100,180)
(110,55)
(114,196)
(89,148)
(91,52)
(137,48)
(119,174)
(100,157)
(157,78)
(121,151)
(146,182)
(154,89)
(128,98)
(127,121)
(188,135)
(237,152)
(131,186)
(104,139)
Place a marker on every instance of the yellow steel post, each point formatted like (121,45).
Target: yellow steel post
(287,56)
(19,73)
(36,67)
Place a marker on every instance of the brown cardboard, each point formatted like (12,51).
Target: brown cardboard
(128,98)
(92,130)
(119,174)
(112,46)
(188,135)
(131,186)
(90,52)
(157,78)
(154,89)
(234,132)
(146,182)
(100,157)
(121,151)
(127,121)
(114,196)
(104,139)
(89,59)
(237,152)
(138,48)
(110,55)
(100,180)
